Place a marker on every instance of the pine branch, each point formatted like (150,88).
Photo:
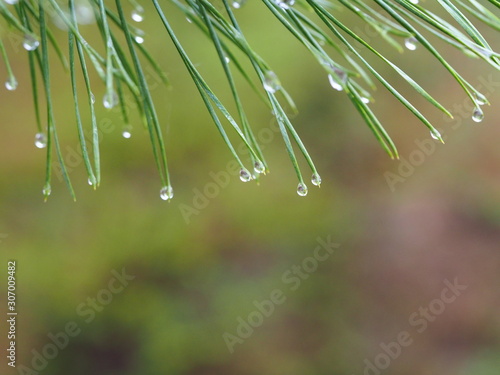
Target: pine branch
(345,56)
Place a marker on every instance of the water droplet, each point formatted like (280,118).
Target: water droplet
(90,182)
(334,84)
(477,115)
(365,100)
(30,42)
(237,4)
(411,43)
(139,36)
(84,14)
(302,189)
(189,20)
(271,82)
(337,79)
(227,59)
(46,190)
(316,179)
(245,176)
(259,167)
(92,97)
(110,99)
(166,193)
(11,83)
(285,4)
(127,132)
(435,135)
(138,14)
(414,1)
(40,140)
(11,2)
(481,99)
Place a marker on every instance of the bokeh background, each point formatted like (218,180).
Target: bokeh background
(198,275)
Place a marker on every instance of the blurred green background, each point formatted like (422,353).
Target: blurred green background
(198,275)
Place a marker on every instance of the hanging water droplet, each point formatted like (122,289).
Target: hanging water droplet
(138,14)
(271,82)
(30,42)
(90,181)
(365,100)
(334,84)
(40,140)
(481,99)
(285,4)
(11,83)
(316,179)
(259,167)
(92,97)
(337,79)
(139,36)
(237,4)
(435,135)
(110,99)
(127,132)
(46,190)
(302,189)
(166,193)
(411,43)
(227,59)
(477,115)
(245,176)
(84,14)
(58,21)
